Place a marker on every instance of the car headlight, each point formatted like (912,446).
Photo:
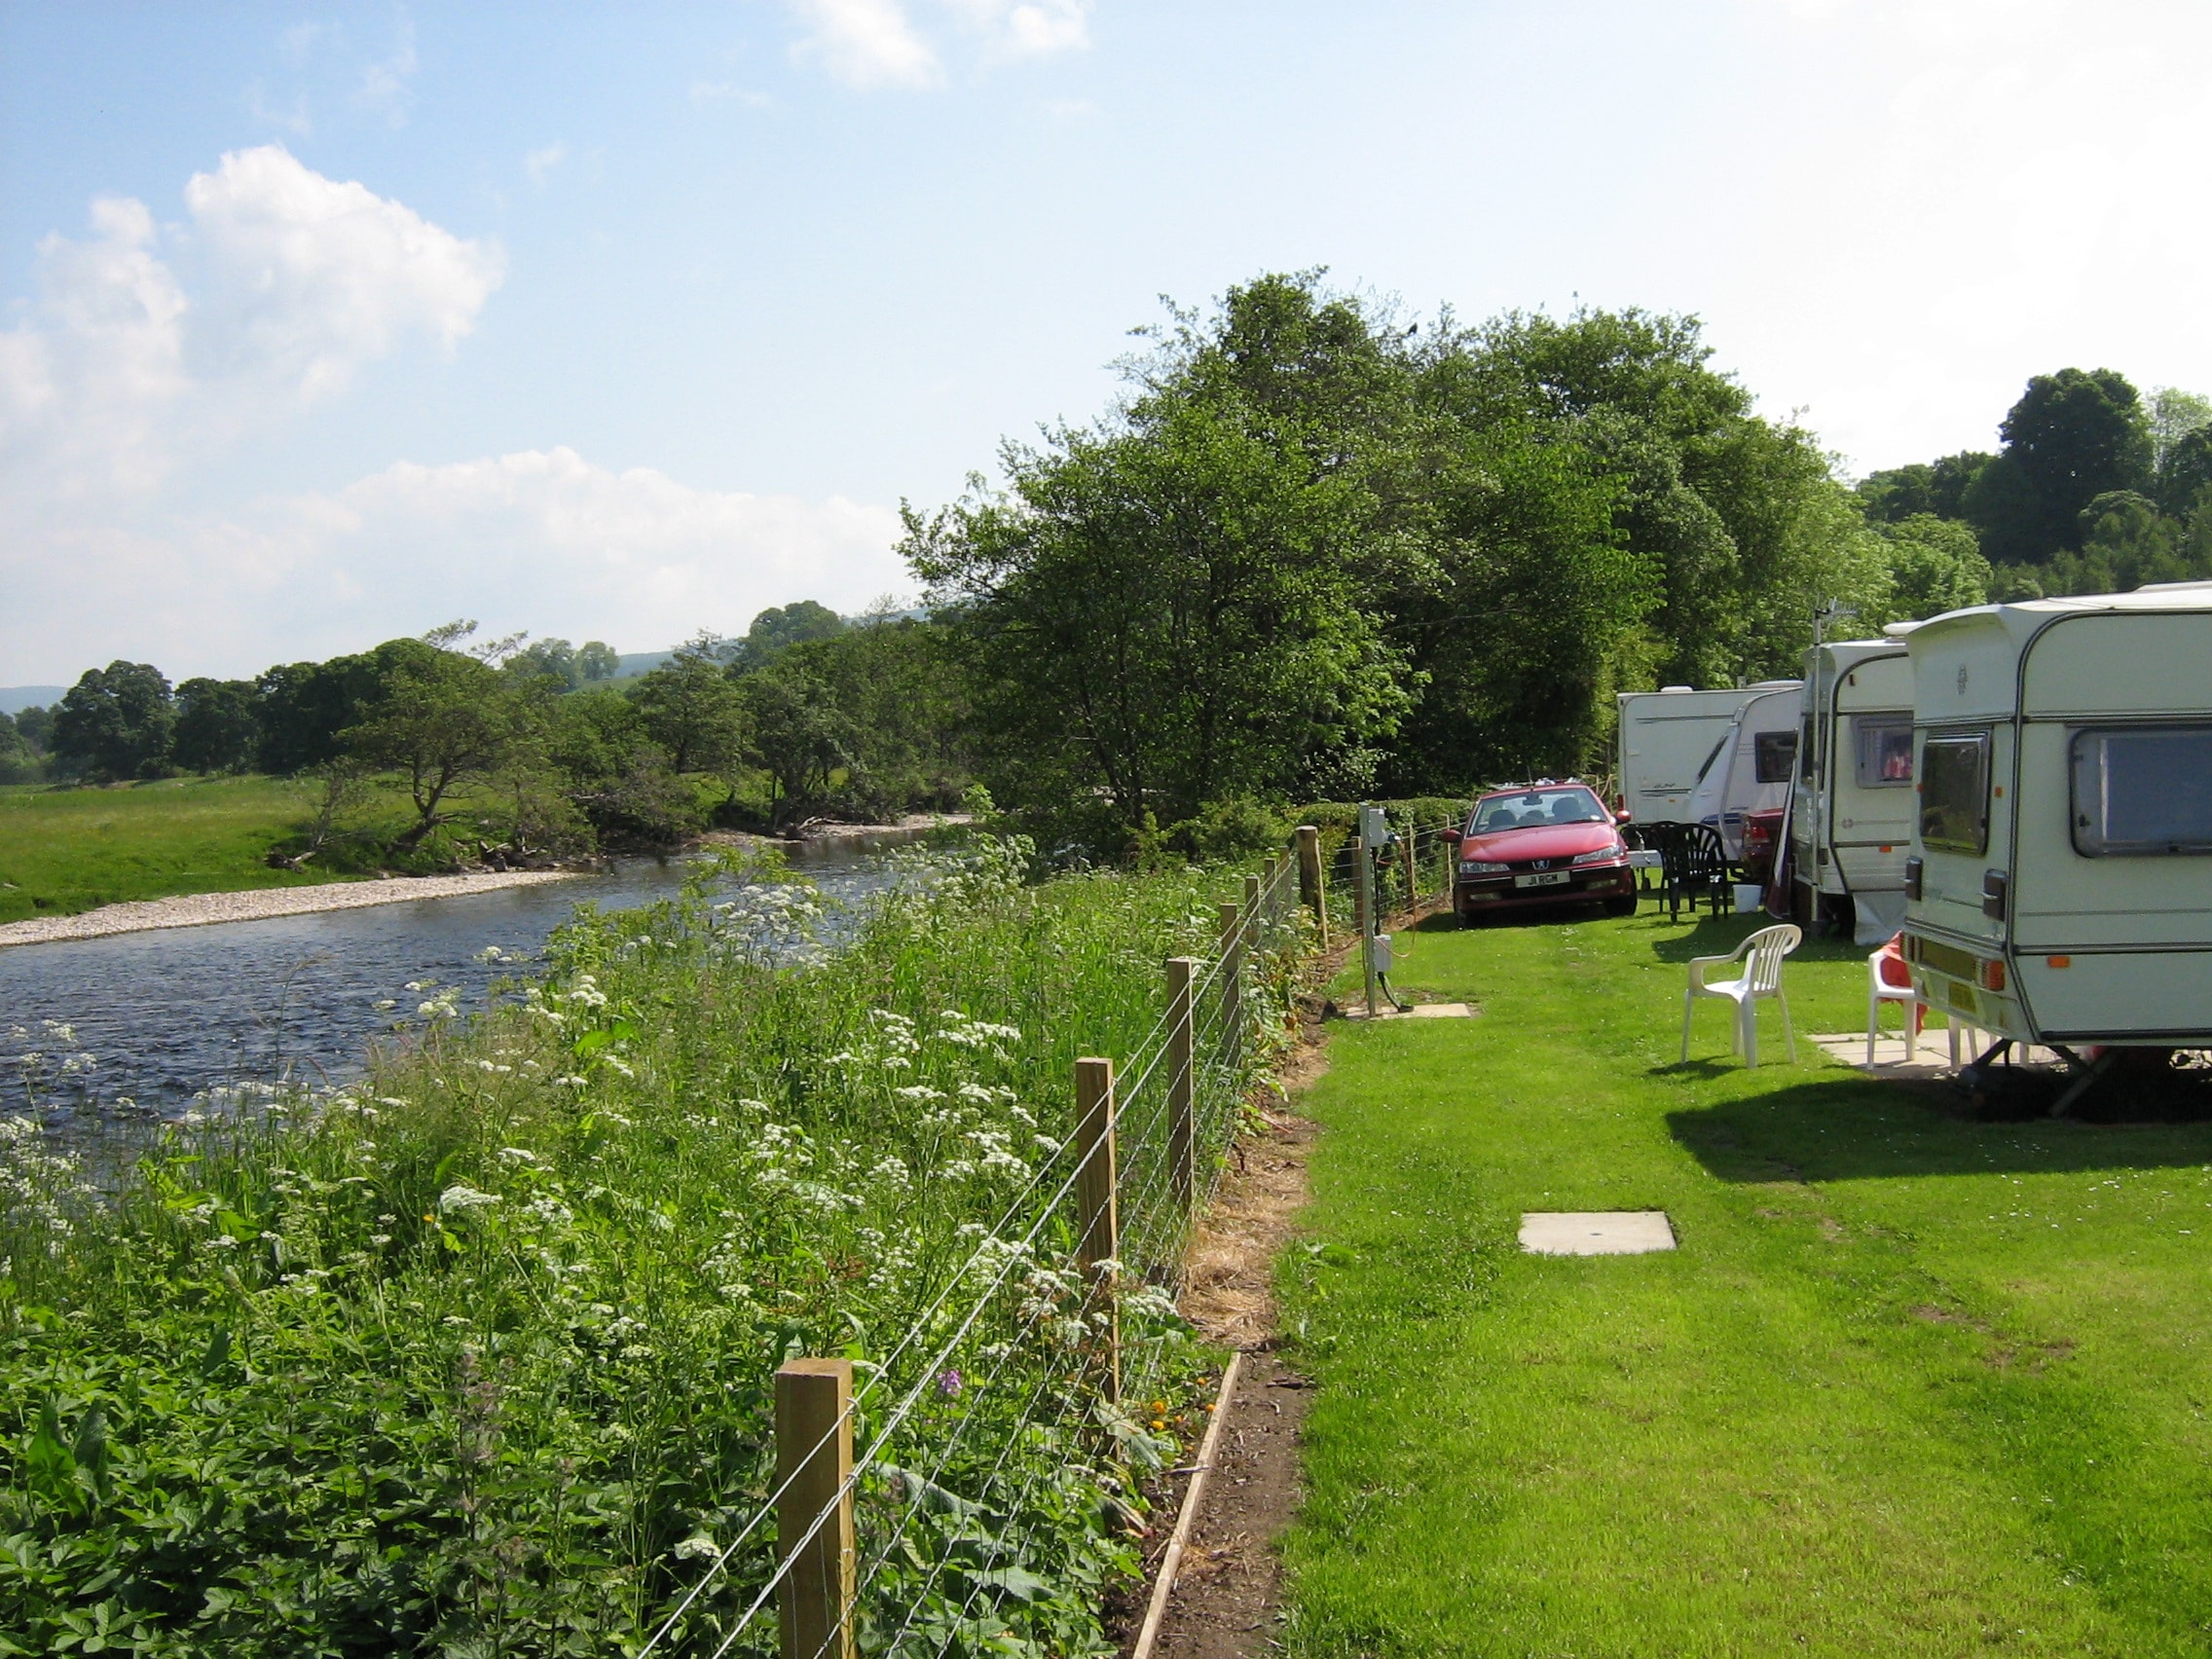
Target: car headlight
(1604,855)
(1477,866)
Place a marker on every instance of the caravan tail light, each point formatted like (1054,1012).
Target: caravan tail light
(1992,974)
(1912,871)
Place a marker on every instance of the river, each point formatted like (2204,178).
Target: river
(168,1012)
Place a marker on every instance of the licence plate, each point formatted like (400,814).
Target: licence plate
(1543,878)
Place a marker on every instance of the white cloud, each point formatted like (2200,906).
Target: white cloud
(296,281)
(865,44)
(540,162)
(874,43)
(1027,28)
(542,539)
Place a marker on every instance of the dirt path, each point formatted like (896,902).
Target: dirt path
(1227,1599)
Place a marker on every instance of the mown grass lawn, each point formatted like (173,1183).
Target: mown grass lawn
(63,851)
(1912,1383)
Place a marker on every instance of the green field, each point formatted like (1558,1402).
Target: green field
(63,851)
(1912,1383)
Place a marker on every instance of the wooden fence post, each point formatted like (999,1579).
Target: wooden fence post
(1413,884)
(1099,1239)
(814,1467)
(1310,889)
(1230,918)
(1182,1131)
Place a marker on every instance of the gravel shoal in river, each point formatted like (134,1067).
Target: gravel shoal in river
(200,908)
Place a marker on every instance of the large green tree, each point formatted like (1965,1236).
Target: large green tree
(304,707)
(896,684)
(218,724)
(692,709)
(795,732)
(443,723)
(782,626)
(116,723)
(1171,607)
(2073,436)
(1934,488)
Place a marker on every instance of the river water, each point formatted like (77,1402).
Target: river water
(168,1012)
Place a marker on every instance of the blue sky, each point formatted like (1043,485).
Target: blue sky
(325,323)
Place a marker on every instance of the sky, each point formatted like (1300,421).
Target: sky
(322,325)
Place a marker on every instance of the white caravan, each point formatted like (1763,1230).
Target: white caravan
(2059,889)
(1664,738)
(1750,768)
(1850,816)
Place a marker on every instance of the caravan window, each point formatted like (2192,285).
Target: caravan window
(1954,791)
(1805,751)
(2144,791)
(1772,753)
(1885,751)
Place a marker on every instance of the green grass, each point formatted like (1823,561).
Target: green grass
(63,851)
(1912,1383)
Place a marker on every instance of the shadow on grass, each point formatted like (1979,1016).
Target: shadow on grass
(1718,935)
(1846,1128)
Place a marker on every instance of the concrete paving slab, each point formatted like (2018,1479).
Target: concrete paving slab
(1596,1232)
(1933,1059)
(1419,1011)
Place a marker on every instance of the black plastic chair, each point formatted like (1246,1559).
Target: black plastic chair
(1693,867)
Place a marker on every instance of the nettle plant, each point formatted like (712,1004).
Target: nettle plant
(476,1354)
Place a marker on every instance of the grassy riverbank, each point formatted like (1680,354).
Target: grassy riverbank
(475,1356)
(65,851)
(1912,1383)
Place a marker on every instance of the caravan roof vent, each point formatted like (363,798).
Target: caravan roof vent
(1666,689)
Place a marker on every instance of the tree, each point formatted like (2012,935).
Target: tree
(616,775)
(548,659)
(18,764)
(306,705)
(692,709)
(1934,566)
(444,722)
(2185,472)
(1738,520)
(2175,413)
(596,660)
(2126,541)
(1166,610)
(896,682)
(797,733)
(780,627)
(217,726)
(2073,436)
(116,723)
(35,726)
(1936,488)
(1521,637)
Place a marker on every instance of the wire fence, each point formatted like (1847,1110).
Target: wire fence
(970,1491)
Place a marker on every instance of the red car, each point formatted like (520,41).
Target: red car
(1542,844)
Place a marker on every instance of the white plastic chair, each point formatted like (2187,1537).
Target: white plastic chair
(1883,987)
(1889,980)
(1761,955)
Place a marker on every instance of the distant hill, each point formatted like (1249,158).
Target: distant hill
(13,699)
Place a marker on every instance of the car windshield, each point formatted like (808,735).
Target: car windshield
(1537,806)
